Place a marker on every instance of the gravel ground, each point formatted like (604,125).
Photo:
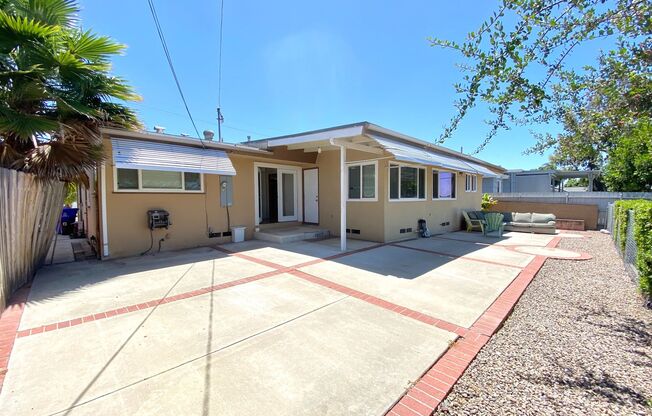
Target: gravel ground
(579,342)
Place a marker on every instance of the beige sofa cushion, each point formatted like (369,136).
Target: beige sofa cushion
(521,217)
(542,218)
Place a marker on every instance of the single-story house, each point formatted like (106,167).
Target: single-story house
(358,181)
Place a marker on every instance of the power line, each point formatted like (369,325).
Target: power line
(159,30)
(220,118)
(219,68)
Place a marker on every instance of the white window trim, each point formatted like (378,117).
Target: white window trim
(361,164)
(456,181)
(389,185)
(155,190)
(474,183)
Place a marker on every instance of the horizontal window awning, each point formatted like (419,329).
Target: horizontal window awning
(139,154)
(424,156)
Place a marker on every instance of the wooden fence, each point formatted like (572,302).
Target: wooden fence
(29,210)
(600,199)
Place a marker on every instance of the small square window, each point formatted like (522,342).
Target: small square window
(362,181)
(192,181)
(127,178)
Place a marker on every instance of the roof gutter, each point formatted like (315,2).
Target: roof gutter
(180,140)
(411,140)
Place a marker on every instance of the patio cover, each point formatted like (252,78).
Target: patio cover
(422,155)
(147,155)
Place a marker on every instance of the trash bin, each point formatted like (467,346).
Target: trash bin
(238,233)
(68,217)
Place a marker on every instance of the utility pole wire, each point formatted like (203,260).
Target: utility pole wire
(219,69)
(159,30)
(220,118)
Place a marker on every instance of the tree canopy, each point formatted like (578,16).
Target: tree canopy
(56,90)
(517,60)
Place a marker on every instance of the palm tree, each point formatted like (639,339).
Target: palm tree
(56,92)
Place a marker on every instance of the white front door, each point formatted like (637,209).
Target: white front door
(311,196)
(287,195)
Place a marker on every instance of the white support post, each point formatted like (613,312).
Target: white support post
(105,223)
(343,197)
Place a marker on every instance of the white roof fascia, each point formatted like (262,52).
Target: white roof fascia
(317,136)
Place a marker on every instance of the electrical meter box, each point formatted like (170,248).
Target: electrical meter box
(226,191)
(158,218)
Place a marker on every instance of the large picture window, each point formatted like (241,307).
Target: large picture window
(362,181)
(157,181)
(407,183)
(471,183)
(443,185)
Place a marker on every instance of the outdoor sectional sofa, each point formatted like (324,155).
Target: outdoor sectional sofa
(530,222)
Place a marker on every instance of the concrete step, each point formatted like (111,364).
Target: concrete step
(291,234)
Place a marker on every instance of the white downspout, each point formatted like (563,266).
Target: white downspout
(105,226)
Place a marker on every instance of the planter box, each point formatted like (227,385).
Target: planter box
(568,224)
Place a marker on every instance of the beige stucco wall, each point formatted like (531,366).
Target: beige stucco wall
(406,214)
(365,216)
(192,213)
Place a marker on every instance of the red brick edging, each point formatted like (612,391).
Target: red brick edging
(432,388)
(9,322)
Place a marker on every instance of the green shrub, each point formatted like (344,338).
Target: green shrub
(642,236)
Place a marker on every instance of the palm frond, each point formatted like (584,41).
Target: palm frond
(92,48)
(25,126)
(51,12)
(17,30)
(69,161)
(56,90)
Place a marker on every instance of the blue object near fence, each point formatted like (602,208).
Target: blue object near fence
(68,216)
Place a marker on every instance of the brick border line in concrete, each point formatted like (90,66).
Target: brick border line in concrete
(144,305)
(431,389)
(9,322)
(463,257)
(410,313)
(279,269)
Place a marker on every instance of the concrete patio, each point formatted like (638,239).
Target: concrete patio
(253,327)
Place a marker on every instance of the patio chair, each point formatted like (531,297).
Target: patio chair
(493,224)
(474,220)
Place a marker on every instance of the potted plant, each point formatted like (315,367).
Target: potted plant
(488,201)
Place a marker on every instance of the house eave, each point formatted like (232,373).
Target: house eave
(180,140)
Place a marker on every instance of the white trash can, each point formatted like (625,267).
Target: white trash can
(238,233)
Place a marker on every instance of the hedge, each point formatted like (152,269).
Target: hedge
(642,236)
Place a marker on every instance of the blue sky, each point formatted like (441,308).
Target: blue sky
(292,66)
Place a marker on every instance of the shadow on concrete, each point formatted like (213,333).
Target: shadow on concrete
(53,281)
(407,259)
